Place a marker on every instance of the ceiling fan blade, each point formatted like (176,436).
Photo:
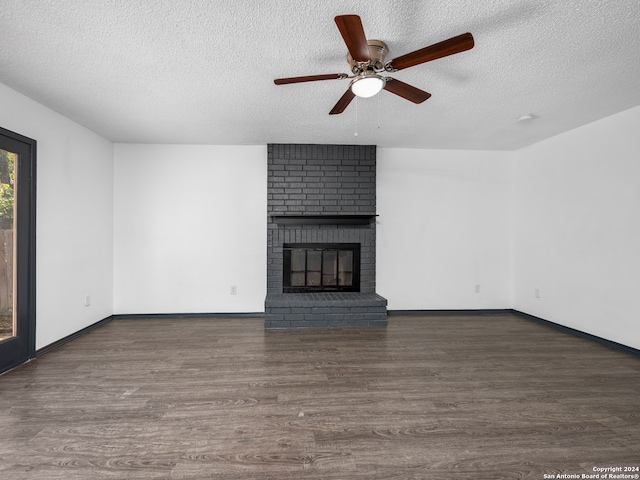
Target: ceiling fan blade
(309,78)
(438,50)
(352,32)
(405,90)
(343,103)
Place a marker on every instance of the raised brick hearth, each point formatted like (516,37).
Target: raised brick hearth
(322,194)
(321,310)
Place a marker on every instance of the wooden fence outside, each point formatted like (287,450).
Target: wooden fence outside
(6,271)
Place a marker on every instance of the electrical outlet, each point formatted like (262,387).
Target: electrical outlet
(477,288)
(87,300)
(234,290)
(536,292)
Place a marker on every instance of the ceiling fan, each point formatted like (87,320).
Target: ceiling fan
(367,60)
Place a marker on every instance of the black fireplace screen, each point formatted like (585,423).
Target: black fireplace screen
(321,268)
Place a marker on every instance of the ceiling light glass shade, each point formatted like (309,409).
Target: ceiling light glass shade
(367,86)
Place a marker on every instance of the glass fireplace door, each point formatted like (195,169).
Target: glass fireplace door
(321,268)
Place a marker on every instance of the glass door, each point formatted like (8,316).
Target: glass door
(17,249)
(7,229)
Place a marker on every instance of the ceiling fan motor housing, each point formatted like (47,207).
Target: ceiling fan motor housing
(377,51)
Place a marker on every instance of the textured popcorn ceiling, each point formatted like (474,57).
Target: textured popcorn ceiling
(201,71)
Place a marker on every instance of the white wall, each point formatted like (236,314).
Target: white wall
(577,229)
(74,225)
(443,228)
(190,222)
(180,225)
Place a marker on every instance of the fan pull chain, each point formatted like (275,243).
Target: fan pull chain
(378,113)
(356,126)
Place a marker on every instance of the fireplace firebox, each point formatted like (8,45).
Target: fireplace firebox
(314,267)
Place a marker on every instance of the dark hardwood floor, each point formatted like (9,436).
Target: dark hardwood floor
(452,397)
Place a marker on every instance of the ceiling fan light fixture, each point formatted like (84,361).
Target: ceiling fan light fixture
(367,85)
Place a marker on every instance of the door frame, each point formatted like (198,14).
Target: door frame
(22,347)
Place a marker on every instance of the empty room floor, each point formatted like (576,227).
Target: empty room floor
(428,397)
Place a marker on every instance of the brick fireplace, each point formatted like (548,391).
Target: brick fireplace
(322,237)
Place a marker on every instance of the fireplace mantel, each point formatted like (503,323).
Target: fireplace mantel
(323,219)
